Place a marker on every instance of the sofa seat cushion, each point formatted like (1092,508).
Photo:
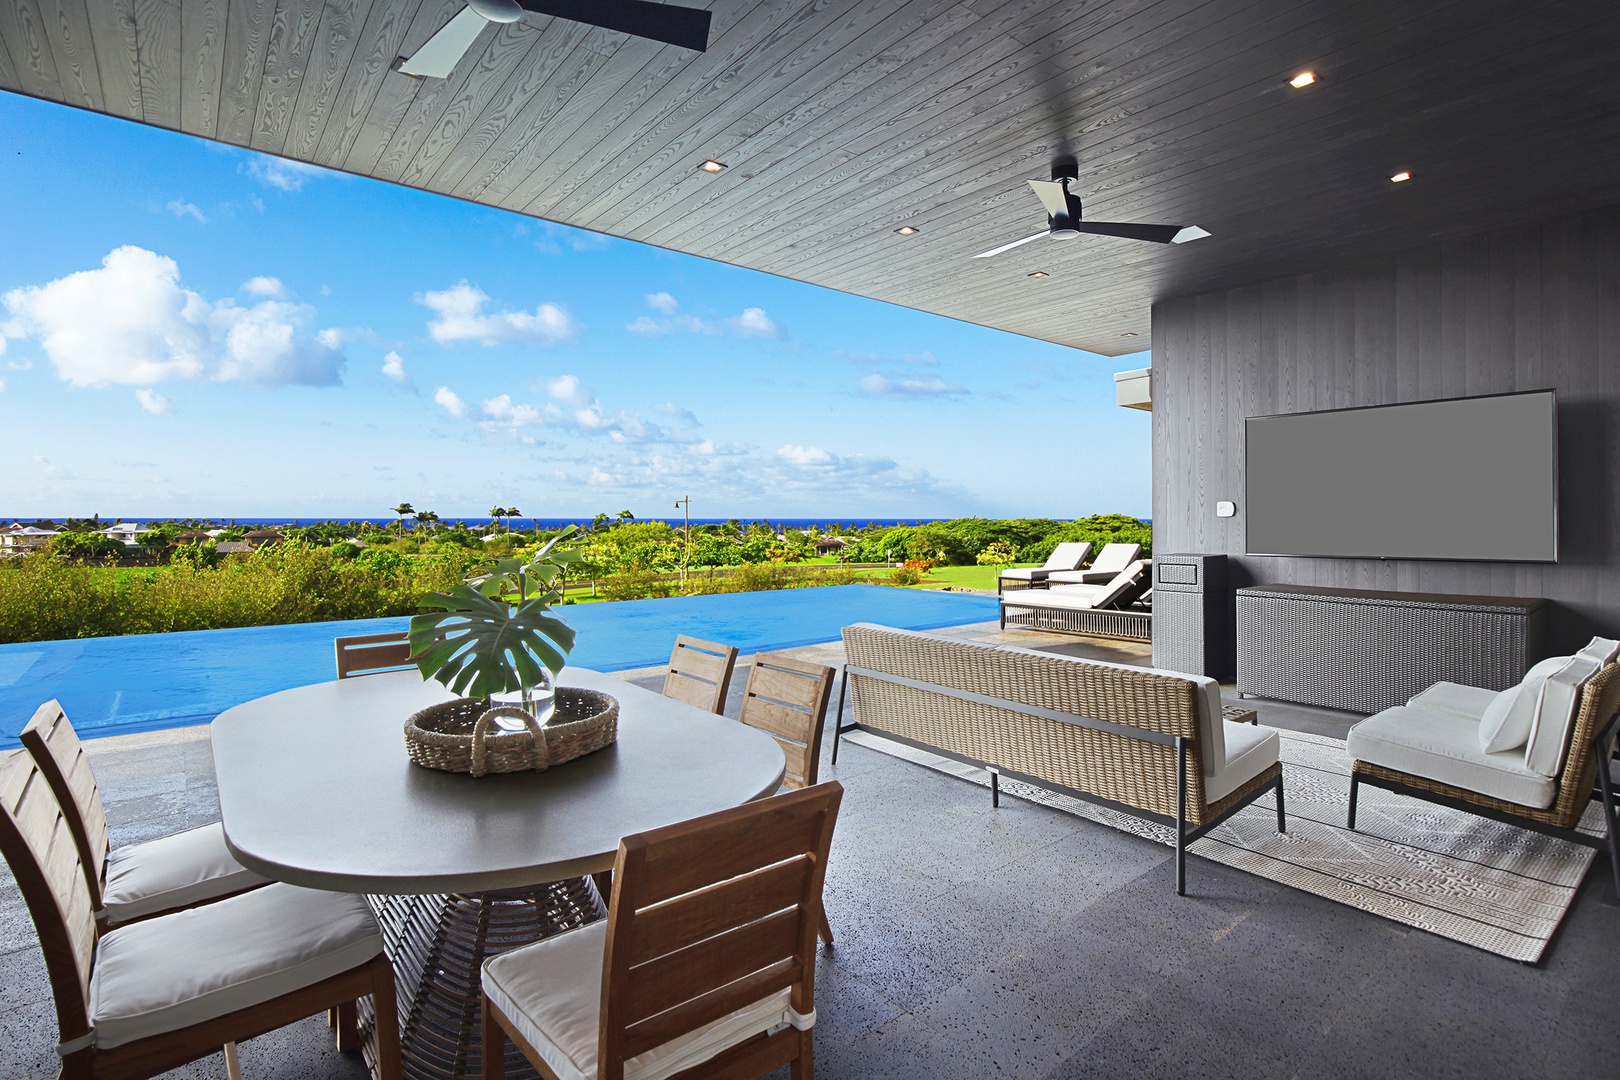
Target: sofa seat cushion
(177,871)
(551,991)
(182,969)
(1250,751)
(1469,702)
(1445,747)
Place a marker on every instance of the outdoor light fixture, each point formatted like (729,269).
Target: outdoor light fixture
(712,166)
(1400,178)
(1040,274)
(1302,80)
(907,230)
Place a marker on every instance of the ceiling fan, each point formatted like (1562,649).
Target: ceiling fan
(683,26)
(1064,221)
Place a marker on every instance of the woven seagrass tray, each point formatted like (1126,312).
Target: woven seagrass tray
(462,736)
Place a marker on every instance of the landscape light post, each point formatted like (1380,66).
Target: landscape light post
(687,558)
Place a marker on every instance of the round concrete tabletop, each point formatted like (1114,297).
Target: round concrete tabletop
(315,788)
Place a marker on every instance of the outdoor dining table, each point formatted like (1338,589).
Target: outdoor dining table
(315,789)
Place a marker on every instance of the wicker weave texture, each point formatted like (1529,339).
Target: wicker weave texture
(1364,655)
(1129,771)
(1127,625)
(1600,699)
(458,736)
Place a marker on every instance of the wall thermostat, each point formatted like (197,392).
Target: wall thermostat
(1225,509)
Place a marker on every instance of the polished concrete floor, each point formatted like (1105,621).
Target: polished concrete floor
(1022,942)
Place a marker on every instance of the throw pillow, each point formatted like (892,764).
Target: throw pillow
(1555,715)
(1507,720)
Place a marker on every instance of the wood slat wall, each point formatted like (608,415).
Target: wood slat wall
(1520,309)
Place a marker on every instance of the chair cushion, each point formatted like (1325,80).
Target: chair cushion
(1066,597)
(1082,577)
(1250,751)
(1506,724)
(1068,555)
(182,969)
(1025,573)
(1445,747)
(171,872)
(1466,701)
(1603,650)
(551,991)
(1555,714)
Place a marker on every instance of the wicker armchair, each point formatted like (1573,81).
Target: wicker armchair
(1587,774)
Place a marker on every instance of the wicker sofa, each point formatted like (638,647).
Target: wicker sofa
(1154,744)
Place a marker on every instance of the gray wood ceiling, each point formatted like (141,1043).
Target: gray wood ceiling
(841,120)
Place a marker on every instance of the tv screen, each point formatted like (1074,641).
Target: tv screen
(1472,478)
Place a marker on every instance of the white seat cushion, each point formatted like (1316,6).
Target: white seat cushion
(1555,714)
(1025,573)
(1603,650)
(1469,702)
(171,872)
(551,991)
(1445,747)
(1082,577)
(1063,597)
(1250,751)
(182,969)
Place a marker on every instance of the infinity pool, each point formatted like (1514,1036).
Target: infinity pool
(114,685)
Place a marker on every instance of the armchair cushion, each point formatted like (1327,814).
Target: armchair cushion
(171,872)
(1469,702)
(1250,751)
(1555,714)
(1445,747)
(182,969)
(552,993)
(1506,723)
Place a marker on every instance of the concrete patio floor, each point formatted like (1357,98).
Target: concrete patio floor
(1023,942)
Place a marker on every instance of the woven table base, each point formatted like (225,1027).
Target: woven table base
(439,943)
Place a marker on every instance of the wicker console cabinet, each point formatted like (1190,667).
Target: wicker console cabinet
(1363,651)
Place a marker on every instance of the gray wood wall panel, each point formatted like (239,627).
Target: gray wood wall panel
(1521,309)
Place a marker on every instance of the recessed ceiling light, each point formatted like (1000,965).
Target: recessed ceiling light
(908,230)
(712,166)
(1302,80)
(1400,178)
(1127,335)
(1040,274)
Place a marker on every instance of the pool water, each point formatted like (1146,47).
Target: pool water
(115,685)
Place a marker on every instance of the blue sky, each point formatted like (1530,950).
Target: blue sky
(191,329)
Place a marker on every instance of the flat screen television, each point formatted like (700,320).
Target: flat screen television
(1467,479)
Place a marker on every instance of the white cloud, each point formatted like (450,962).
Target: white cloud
(883,386)
(662,301)
(153,402)
(503,412)
(282,173)
(805,456)
(394,367)
(131,322)
(2,386)
(881,360)
(461,317)
(451,401)
(685,416)
(553,238)
(753,322)
(186,209)
(264,286)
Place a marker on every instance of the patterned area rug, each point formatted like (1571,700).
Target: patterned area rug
(1493,886)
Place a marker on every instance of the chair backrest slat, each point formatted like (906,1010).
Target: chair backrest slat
(711,915)
(699,673)
(371,654)
(55,747)
(787,698)
(39,847)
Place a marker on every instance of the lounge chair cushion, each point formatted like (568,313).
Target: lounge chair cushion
(1110,561)
(182,969)
(1506,724)
(1555,714)
(177,871)
(552,993)
(1603,650)
(1025,573)
(1250,751)
(1445,747)
(1449,697)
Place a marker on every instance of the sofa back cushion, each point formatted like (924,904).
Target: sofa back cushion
(1555,714)
(1506,722)
(1603,650)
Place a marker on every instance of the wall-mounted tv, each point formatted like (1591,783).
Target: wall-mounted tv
(1471,478)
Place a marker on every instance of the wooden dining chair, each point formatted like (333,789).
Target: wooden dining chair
(136,881)
(154,995)
(705,965)
(371,654)
(699,673)
(787,699)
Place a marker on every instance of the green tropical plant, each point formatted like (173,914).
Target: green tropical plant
(475,641)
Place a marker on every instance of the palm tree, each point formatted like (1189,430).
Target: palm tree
(511,512)
(402,509)
(497,512)
(426,517)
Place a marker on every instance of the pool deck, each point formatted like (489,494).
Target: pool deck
(1027,943)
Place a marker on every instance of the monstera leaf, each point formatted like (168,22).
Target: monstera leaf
(479,645)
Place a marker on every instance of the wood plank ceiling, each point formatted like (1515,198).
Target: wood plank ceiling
(841,120)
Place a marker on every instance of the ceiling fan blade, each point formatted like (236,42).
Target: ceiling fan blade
(683,26)
(440,54)
(1159,234)
(1052,196)
(1009,247)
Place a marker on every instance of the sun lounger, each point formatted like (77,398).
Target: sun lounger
(1102,610)
(1110,561)
(1066,556)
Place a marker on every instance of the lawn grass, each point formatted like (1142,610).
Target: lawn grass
(962,577)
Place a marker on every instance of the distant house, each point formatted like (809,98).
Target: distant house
(831,545)
(233,547)
(127,531)
(261,537)
(20,539)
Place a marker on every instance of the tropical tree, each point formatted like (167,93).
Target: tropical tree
(402,509)
(427,517)
(511,512)
(497,512)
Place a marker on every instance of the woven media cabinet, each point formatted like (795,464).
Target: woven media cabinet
(1364,651)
